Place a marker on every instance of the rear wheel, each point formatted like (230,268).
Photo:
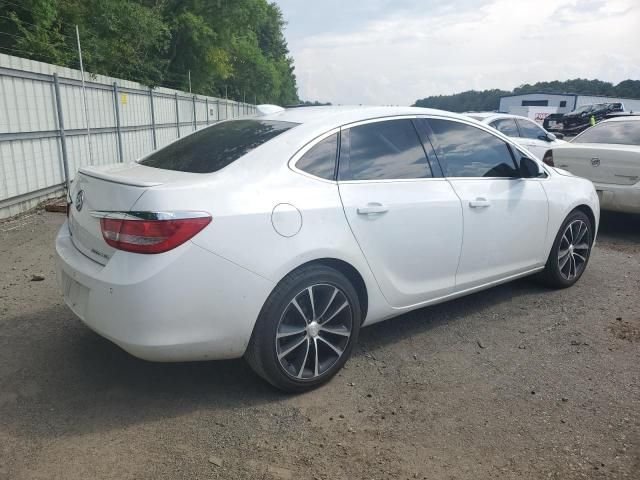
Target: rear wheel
(306,330)
(570,252)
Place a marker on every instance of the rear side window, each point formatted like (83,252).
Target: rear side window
(383,150)
(467,151)
(622,133)
(530,130)
(507,126)
(320,160)
(217,146)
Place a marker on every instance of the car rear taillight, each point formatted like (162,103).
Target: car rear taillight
(548,158)
(146,232)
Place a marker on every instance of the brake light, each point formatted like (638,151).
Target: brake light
(548,158)
(145,233)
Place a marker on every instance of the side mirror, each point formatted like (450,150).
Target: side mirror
(529,168)
(549,137)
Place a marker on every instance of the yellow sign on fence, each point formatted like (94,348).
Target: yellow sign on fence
(123,98)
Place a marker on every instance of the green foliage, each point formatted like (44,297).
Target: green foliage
(488,100)
(471,101)
(315,103)
(232,46)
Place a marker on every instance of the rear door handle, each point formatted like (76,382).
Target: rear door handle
(479,203)
(372,209)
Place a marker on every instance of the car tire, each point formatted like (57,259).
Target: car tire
(570,253)
(306,329)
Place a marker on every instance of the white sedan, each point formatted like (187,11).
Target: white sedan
(608,154)
(277,237)
(521,130)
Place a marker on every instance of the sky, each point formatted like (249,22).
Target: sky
(393,52)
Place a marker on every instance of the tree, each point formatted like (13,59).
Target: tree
(233,46)
(488,100)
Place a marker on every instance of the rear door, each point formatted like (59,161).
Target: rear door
(505,216)
(406,218)
(508,127)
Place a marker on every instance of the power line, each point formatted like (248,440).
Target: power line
(32,12)
(61,46)
(26,53)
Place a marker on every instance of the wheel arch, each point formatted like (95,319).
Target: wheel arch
(586,209)
(349,271)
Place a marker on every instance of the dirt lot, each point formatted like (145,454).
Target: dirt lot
(516,382)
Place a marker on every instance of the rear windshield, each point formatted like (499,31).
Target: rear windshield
(217,146)
(619,132)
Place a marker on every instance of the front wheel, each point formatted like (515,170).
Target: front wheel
(306,330)
(570,252)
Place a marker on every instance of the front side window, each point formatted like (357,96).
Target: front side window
(213,148)
(383,150)
(619,132)
(530,130)
(506,126)
(467,151)
(320,160)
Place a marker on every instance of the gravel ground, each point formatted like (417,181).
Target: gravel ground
(515,382)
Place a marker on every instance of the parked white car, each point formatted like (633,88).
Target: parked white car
(521,130)
(278,237)
(608,154)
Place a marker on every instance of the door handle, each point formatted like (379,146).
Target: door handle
(372,209)
(479,203)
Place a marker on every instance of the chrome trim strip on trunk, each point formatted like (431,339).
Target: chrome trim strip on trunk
(179,215)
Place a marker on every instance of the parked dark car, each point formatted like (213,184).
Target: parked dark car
(575,122)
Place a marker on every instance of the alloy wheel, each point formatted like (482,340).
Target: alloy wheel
(314,331)
(574,249)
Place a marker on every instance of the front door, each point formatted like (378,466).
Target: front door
(505,216)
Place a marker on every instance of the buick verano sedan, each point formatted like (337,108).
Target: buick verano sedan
(278,237)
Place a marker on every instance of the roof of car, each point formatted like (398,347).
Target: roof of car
(623,118)
(485,116)
(349,114)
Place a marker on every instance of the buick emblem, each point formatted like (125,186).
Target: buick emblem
(595,162)
(79,200)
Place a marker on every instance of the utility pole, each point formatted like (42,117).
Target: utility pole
(189,81)
(84,98)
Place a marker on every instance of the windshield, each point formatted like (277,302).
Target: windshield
(622,133)
(217,146)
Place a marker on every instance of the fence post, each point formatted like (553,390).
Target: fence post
(63,138)
(195,118)
(153,119)
(177,115)
(226,109)
(206,105)
(116,103)
(217,109)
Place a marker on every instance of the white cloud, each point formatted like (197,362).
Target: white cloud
(408,54)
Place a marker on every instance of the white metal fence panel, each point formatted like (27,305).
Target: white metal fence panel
(126,120)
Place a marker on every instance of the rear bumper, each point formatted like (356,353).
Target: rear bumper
(619,198)
(186,304)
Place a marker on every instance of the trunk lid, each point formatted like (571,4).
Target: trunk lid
(113,188)
(601,163)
